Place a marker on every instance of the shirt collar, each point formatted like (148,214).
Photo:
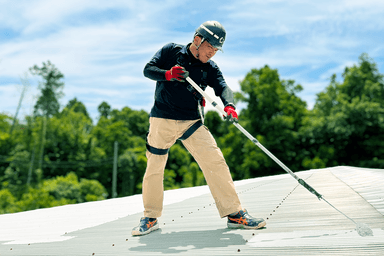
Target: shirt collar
(184,50)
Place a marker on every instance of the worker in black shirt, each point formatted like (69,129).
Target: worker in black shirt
(175,115)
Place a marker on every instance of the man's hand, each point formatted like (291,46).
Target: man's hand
(231,114)
(202,102)
(176,73)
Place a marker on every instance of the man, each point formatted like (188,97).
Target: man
(175,115)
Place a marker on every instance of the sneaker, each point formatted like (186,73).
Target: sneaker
(146,226)
(243,220)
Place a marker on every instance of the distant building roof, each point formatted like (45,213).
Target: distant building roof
(297,222)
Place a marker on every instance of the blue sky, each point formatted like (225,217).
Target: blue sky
(101,47)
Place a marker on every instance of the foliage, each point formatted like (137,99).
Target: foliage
(5,125)
(16,174)
(48,104)
(7,202)
(104,109)
(60,190)
(132,164)
(346,126)
(68,139)
(78,107)
(274,115)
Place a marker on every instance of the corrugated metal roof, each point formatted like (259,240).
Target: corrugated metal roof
(297,222)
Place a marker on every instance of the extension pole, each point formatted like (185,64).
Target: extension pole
(361,228)
(253,139)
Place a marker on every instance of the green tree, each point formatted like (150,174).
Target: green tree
(78,106)
(132,165)
(104,109)
(136,121)
(68,187)
(5,126)
(215,124)
(69,139)
(47,104)
(347,122)
(51,89)
(57,191)
(194,176)
(7,202)
(128,127)
(177,166)
(16,174)
(17,149)
(273,115)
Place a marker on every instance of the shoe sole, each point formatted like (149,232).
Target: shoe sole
(138,233)
(235,225)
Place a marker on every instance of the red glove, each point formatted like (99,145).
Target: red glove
(202,102)
(232,115)
(176,73)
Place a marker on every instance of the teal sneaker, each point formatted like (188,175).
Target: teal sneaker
(147,225)
(243,220)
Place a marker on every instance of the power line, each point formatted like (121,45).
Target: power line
(63,164)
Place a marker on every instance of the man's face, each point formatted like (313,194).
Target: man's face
(206,51)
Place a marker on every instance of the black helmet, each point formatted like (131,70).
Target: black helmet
(213,32)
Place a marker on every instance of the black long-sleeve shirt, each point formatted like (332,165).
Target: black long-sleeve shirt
(172,99)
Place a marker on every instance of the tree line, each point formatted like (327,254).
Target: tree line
(58,156)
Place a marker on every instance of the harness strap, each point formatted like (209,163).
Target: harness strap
(186,135)
(195,93)
(191,130)
(157,151)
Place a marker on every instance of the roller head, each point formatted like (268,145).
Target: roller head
(363,229)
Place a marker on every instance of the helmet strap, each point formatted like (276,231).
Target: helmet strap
(198,46)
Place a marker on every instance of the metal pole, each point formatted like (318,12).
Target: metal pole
(114,174)
(254,140)
(31,166)
(361,228)
(25,83)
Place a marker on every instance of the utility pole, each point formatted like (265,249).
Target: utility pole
(25,83)
(114,174)
(31,167)
(42,144)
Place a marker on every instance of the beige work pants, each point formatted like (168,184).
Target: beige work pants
(163,133)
